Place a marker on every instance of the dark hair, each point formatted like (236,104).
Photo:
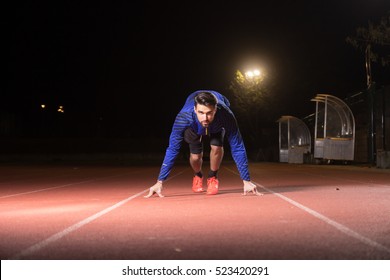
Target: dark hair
(206,98)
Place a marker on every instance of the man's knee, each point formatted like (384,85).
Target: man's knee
(216,149)
(196,157)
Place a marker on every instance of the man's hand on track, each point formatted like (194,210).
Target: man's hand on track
(250,187)
(156,188)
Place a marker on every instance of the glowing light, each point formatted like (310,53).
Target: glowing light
(253,74)
(43,106)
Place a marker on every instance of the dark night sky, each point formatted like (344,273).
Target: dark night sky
(118,64)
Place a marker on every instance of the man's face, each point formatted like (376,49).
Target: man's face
(205,114)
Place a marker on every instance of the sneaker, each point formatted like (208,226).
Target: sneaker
(212,185)
(197,183)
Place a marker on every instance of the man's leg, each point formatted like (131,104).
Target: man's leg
(196,158)
(196,161)
(216,156)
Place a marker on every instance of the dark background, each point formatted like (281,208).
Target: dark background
(122,69)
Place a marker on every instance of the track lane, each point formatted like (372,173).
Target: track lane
(195,226)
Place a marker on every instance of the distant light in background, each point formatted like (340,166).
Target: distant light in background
(43,106)
(61,109)
(252,74)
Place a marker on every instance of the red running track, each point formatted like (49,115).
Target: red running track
(99,212)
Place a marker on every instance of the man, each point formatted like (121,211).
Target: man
(205,113)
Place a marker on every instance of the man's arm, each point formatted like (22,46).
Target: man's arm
(175,140)
(237,146)
(239,155)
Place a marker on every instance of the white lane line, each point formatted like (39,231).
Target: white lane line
(44,243)
(61,186)
(344,229)
(331,222)
(40,245)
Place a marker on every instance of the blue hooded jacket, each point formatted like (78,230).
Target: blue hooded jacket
(223,119)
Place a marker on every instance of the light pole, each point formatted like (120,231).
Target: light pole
(253,81)
(371,104)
